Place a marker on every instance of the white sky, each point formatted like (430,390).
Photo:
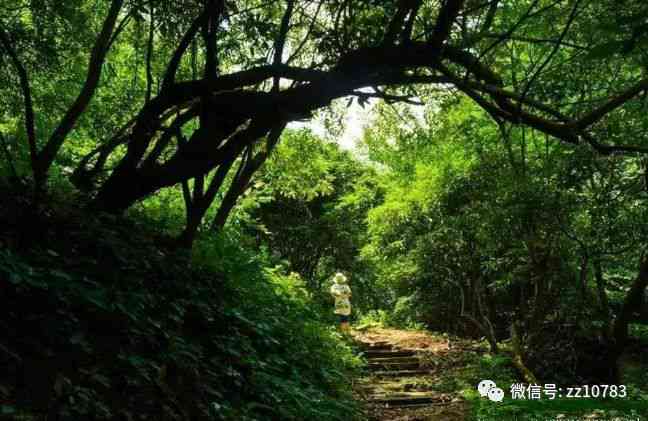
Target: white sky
(355,120)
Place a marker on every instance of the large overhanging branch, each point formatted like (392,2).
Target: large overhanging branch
(234,99)
(383,63)
(174,171)
(509,106)
(181,92)
(407,99)
(387,67)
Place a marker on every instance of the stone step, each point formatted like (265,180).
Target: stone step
(387,353)
(375,346)
(404,399)
(397,359)
(410,406)
(393,366)
(399,373)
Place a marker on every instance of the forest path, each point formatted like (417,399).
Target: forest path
(407,376)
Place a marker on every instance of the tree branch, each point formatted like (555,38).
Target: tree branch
(174,63)
(387,97)
(149,56)
(280,42)
(409,23)
(97,57)
(10,159)
(553,52)
(447,15)
(398,20)
(597,114)
(27,95)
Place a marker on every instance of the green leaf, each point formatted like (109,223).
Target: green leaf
(605,50)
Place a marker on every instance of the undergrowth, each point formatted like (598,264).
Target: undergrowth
(499,369)
(103,321)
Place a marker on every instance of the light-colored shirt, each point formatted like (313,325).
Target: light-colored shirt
(342,293)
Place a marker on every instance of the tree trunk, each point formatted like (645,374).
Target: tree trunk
(583,277)
(241,182)
(83,177)
(603,299)
(194,218)
(631,304)
(490,303)
(237,188)
(478,317)
(27,99)
(518,357)
(488,333)
(102,44)
(197,209)
(130,183)
(488,326)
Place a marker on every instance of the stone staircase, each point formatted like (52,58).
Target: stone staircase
(390,375)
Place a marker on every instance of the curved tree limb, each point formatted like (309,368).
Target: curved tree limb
(97,57)
(26,93)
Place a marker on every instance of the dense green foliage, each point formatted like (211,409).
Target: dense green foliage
(497,230)
(481,230)
(102,321)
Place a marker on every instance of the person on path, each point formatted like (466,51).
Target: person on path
(342,294)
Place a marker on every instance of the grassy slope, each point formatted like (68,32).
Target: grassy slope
(102,321)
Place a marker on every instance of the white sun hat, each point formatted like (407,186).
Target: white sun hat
(340,278)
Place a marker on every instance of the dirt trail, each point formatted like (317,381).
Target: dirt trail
(404,372)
